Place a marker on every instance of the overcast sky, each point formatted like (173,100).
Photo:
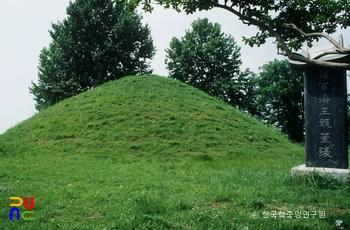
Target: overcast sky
(24,29)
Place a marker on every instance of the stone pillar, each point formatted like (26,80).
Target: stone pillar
(326,118)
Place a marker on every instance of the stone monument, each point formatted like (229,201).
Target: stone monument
(325,95)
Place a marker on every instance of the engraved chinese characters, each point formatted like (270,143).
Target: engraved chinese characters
(325,118)
(325,149)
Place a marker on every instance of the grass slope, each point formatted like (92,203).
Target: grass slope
(153,153)
(143,116)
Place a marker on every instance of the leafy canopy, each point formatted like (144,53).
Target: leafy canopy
(209,60)
(279,98)
(290,22)
(99,41)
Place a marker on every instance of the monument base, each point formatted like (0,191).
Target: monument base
(341,175)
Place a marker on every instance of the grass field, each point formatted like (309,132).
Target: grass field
(153,153)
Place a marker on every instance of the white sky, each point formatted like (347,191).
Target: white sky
(24,29)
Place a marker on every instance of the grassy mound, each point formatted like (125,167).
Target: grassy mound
(147,116)
(153,153)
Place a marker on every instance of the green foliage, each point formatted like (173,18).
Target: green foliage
(209,60)
(99,41)
(279,98)
(348,104)
(291,23)
(146,159)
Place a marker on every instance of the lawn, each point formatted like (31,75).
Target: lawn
(153,153)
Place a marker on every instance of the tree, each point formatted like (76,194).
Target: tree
(290,22)
(209,60)
(348,104)
(241,94)
(280,98)
(99,41)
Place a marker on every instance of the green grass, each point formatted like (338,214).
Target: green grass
(153,153)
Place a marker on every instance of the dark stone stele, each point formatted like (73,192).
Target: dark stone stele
(326,118)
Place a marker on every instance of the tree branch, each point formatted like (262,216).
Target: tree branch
(315,62)
(328,53)
(315,34)
(252,21)
(288,52)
